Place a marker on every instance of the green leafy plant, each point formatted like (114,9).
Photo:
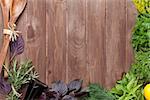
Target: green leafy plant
(18,75)
(128,88)
(141,34)
(141,67)
(96,92)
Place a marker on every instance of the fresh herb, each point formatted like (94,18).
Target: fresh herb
(141,34)
(19,75)
(128,88)
(141,67)
(96,92)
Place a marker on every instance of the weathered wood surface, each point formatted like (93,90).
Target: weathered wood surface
(87,39)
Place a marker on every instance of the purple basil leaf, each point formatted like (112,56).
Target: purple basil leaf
(17,47)
(75,85)
(5,87)
(60,87)
(68,97)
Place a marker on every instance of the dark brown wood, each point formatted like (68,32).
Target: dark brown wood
(22,26)
(87,39)
(36,35)
(76,28)
(56,40)
(115,40)
(131,15)
(1,27)
(96,36)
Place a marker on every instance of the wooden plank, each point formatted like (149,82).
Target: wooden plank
(96,32)
(115,40)
(22,27)
(56,40)
(1,27)
(36,35)
(76,27)
(2,97)
(87,39)
(130,18)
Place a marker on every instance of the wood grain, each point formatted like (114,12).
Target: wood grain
(22,27)
(96,30)
(56,40)
(77,40)
(1,27)
(36,35)
(115,40)
(131,15)
(70,39)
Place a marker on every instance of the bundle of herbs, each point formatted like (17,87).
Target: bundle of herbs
(18,75)
(13,43)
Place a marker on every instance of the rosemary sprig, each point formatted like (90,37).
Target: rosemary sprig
(19,74)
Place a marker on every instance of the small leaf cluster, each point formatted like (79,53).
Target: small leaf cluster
(141,34)
(141,67)
(128,88)
(61,91)
(97,92)
(19,75)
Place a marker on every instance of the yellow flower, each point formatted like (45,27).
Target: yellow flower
(143,6)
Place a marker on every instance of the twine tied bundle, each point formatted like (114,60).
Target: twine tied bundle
(11,10)
(11,31)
